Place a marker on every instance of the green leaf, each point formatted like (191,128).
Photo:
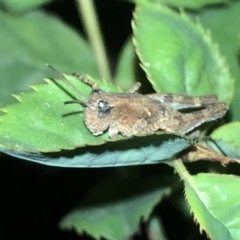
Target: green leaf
(152,149)
(30,41)
(41,122)
(186,3)
(124,77)
(226,148)
(21,5)
(177,55)
(156,229)
(193,4)
(226,140)
(214,201)
(224,24)
(229,133)
(106,210)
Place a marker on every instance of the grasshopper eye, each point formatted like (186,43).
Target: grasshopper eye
(103,108)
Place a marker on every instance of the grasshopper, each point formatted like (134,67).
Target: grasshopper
(132,113)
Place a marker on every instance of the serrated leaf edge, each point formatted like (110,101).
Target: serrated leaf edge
(201,228)
(207,37)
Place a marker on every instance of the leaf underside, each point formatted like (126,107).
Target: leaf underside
(136,151)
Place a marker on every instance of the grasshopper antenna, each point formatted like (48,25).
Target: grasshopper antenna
(70,85)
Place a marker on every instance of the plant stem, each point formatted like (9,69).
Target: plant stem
(88,15)
(182,171)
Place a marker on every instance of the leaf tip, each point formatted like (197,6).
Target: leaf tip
(4,110)
(17,97)
(33,88)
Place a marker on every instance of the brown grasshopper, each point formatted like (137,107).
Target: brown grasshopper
(132,113)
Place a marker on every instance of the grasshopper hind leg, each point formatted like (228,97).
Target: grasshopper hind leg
(185,123)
